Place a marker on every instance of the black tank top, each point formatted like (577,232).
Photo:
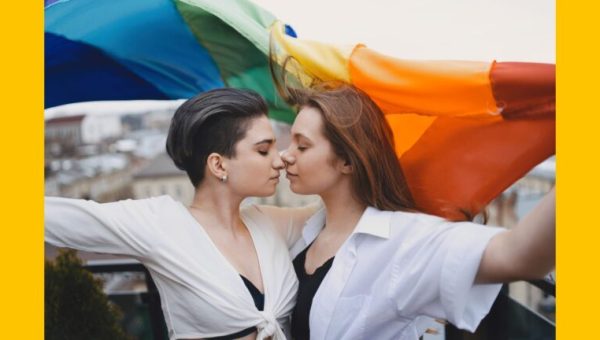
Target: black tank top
(308,285)
(259,302)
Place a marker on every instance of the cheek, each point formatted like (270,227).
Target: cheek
(251,171)
(315,175)
(314,163)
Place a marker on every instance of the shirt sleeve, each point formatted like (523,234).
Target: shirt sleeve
(438,279)
(289,221)
(114,228)
(465,303)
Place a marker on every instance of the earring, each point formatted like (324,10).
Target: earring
(224,178)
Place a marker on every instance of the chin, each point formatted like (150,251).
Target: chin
(298,190)
(265,193)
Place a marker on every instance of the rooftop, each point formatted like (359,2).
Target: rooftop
(65,120)
(160,166)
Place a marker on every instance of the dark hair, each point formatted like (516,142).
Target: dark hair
(213,121)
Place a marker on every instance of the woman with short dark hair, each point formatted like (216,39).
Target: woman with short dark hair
(222,272)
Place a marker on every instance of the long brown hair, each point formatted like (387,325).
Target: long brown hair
(361,136)
(356,128)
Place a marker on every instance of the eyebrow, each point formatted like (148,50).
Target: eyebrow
(266,141)
(298,135)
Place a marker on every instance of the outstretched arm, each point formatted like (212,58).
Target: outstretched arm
(524,252)
(113,228)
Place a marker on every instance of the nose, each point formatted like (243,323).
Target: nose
(287,157)
(278,163)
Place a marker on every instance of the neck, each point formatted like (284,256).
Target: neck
(215,205)
(343,210)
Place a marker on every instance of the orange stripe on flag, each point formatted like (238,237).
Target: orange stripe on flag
(425,87)
(464,163)
(408,128)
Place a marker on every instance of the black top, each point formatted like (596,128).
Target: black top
(259,302)
(308,285)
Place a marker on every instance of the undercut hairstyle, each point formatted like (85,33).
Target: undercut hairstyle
(212,121)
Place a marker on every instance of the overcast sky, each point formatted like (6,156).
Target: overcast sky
(504,30)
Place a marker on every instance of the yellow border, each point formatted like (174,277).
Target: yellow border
(21,252)
(577,170)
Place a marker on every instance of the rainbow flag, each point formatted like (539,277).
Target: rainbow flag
(464,131)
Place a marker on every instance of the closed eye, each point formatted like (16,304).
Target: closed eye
(265,146)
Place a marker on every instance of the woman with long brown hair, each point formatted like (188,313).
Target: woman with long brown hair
(369,264)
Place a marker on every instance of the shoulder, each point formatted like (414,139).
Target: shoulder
(152,204)
(419,225)
(426,229)
(146,211)
(408,217)
(415,222)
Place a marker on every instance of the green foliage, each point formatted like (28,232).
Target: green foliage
(75,306)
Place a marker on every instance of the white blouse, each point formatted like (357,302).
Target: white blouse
(202,294)
(395,273)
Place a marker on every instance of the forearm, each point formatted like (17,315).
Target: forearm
(525,252)
(535,239)
(288,221)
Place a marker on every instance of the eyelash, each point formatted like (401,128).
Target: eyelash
(264,153)
(302,148)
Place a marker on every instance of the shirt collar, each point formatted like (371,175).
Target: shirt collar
(313,226)
(372,222)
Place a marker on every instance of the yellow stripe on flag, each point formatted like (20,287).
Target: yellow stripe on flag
(325,61)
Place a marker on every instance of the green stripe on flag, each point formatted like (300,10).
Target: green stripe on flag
(236,34)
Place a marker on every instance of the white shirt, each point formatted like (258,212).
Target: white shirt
(202,294)
(395,272)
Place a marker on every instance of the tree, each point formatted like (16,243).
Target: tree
(75,306)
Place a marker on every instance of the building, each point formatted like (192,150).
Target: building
(102,178)
(82,129)
(63,134)
(98,127)
(161,177)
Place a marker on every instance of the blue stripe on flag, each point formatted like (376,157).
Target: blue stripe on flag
(77,72)
(148,37)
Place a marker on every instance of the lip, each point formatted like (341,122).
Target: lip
(274,178)
(288,174)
